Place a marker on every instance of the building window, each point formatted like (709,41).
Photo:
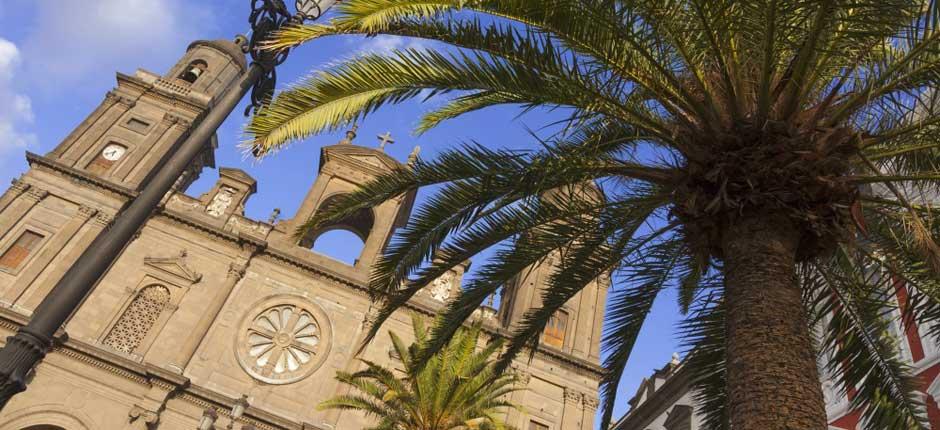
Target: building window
(138,125)
(194,71)
(535,425)
(139,317)
(554,333)
(17,253)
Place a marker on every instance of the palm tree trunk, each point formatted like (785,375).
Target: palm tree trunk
(773,382)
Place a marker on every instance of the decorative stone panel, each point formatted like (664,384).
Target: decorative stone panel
(283,340)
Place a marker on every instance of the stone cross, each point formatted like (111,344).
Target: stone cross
(385,139)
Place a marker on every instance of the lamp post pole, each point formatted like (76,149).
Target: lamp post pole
(27,348)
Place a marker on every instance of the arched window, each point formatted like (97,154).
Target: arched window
(138,318)
(344,239)
(194,70)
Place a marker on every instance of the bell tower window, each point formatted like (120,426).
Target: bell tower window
(343,240)
(193,71)
(554,333)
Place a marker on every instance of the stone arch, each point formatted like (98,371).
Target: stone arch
(361,224)
(194,70)
(48,417)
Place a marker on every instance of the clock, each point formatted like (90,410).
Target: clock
(113,152)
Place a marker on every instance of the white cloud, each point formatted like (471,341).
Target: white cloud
(384,44)
(76,39)
(17,112)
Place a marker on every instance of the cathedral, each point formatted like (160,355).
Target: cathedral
(210,319)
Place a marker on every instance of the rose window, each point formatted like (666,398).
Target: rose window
(283,343)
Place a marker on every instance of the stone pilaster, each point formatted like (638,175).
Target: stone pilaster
(18,209)
(333,416)
(176,127)
(589,405)
(15,191)
(236,273)
(49,252)
(514,416)
(149,144)
(73,152)
(109,100)
(571,415)
(84,238)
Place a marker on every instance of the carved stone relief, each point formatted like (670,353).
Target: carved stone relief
(222,200)
(283,340)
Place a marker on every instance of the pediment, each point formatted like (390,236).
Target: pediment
(238,175)
(175,266)
(358,155)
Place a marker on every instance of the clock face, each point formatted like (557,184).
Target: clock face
(113,152)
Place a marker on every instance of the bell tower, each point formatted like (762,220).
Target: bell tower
(576,328)
(130,134)
(343,168)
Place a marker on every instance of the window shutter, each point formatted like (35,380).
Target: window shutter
(20,250)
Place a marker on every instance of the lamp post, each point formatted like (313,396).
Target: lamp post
(27,348)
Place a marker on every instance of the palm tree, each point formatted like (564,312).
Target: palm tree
(771,159)
(457,388)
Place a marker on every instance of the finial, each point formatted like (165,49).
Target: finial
(350,135)
(413,157)
(675,359)
(385,139)
(275,214)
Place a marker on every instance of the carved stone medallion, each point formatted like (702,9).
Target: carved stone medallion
(441,287)
(283,340)
(221,201)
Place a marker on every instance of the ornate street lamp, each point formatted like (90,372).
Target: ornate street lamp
(27,348)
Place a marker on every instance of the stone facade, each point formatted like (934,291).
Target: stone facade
(206,305)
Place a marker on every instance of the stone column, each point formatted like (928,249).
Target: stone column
(236,272)
(18,209)
(84,239)
(571,415)
(72,152)
(49,252)
(17,189)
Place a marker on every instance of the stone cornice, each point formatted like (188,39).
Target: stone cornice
(39,160)
(189,104)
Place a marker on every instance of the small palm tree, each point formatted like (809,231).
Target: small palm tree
(456,388)
(771,159)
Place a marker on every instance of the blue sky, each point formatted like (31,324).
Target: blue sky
(58,59)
